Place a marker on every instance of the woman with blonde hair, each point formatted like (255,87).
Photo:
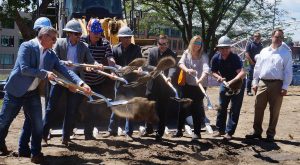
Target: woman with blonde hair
(194,64)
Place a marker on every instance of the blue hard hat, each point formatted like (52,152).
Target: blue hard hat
(95,26)
(42,22)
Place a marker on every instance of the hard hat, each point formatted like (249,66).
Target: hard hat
(73,26)
(94,26)
(125,32)
(224,41)
(41,22)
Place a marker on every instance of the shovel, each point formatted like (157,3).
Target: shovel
(163,64)
(80,90)
(176,98)
(209,104)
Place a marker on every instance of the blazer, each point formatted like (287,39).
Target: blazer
(83,53)
(26,68)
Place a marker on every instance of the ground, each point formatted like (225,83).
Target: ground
(208,150)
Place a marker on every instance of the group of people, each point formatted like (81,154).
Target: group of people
(38,58)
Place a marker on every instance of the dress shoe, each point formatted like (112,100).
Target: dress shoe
(196,137)
(218,134)
(253,136)
(65,142)
(4,151)
(177,134)
(270,139)
(37,159)
(128,138)
(20,154)
(158,137)
(227,137)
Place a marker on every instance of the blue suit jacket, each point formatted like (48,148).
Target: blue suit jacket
(26,68)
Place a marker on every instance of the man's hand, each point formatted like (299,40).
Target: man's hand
(254,89)
(113,76)
(87,89)
(100,66)
(283,92)
(51,76)
(89,69)
(68,63)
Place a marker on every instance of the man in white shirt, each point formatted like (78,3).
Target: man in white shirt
(271,78)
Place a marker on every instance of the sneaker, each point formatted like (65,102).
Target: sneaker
(37,159)
(249,93)
(177,134)
(218,134)
(4,151)
(227,137)
(196,137)
(253,136)
(270,139)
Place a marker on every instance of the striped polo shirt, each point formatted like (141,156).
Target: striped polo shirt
(100,52)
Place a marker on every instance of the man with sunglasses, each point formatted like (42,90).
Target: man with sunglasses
(36,61)
(227,68)
(69,50)
(272,75)
(157,89)
(252,49)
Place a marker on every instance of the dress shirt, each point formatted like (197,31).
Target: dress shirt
(72,54)
(36,81)
(274,64)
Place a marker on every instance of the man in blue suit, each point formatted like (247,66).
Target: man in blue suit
(35,62)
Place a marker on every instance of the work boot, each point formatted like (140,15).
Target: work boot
(38,159)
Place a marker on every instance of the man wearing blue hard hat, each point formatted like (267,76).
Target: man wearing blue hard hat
(101,51)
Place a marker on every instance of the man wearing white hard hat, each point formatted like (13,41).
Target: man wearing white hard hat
(123,54)
(227,68)
(69,50)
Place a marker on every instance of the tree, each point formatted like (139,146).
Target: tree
(215,17)
(11,8)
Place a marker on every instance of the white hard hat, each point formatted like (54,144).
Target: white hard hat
(41,22)
(224,41)
(125,32)
(73,26)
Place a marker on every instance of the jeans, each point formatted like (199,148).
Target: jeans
(25,137)
(32,107)
(114,122)
(250,78)
(73,103)
(234,113)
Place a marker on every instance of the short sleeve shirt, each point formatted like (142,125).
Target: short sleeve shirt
(227,68)
(253,49)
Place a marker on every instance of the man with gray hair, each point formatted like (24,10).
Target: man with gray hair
(35,62)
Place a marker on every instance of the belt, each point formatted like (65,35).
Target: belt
(270,80)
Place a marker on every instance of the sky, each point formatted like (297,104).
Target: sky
(293,9)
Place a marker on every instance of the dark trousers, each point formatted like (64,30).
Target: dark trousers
(234,113)
(196,108)
(73,103)
(250,78)
(162,107)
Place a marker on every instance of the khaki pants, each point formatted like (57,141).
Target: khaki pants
(268,92)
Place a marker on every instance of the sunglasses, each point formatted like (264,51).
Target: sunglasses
(198,43)
(77,34)
(162,44)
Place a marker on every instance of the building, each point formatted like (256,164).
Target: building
(10,41)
